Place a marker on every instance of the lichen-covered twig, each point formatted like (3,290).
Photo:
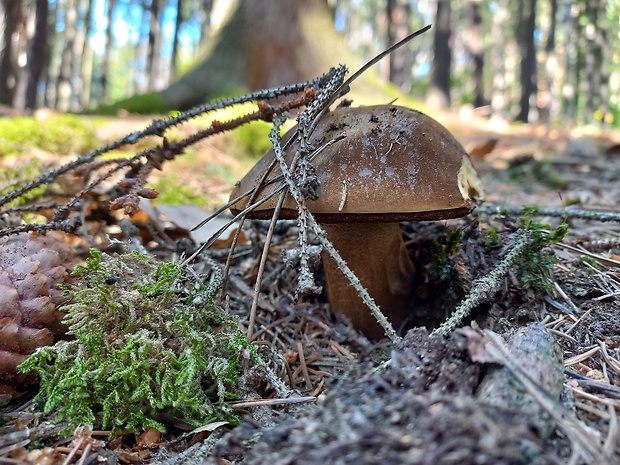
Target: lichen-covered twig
(484,287)
(577,213)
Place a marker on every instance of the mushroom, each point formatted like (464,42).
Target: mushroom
(395,164)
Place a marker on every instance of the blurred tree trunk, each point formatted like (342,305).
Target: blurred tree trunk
(204,15)
(10,16)
(594,62)
(549,66)
(398,12)
(526,27)
(63,85)
(439,92)
(38,54)
(262,44)
(154,47)
(175,41)
(570,87)
(498,69)
(474,46)
(52,63)
(86,62)
(107,56)
(140,81)
(606,58)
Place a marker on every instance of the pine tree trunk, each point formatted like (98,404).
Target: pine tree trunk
(262,44)
(107,55)
(63,86)
(397,29)
(175,41)
(549,66)
(439,92)
(86,61)
(528,81)
(498,63)
(38,54)
(205,21)
(153,55)
(10,16)
(474,46)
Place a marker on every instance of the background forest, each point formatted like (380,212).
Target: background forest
(553,61)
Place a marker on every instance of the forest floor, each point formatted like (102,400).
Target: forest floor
(542,386)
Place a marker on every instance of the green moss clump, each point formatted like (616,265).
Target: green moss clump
(172,192)
(252,140)
(145,104)
(62,134)
(149,344)
(537,260)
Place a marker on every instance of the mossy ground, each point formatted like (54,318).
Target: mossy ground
(149,343)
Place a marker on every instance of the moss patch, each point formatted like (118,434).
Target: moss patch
(63,134)
(149,344)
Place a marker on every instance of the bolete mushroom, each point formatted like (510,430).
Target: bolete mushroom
(395,164)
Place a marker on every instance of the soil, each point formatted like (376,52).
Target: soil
(430,399)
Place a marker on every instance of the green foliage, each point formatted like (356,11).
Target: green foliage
(539,170)
(533,269)
(172,192)
(252,140)
(149,344)
(63,134)
(443,252)
(491,237)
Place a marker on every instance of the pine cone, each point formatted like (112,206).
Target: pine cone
(31,267)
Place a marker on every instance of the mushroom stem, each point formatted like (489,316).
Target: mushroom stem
(376,253)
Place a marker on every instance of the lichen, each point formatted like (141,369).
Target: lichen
(149,343)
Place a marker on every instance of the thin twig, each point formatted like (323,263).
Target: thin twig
(261,266)
(596,215)
(272,402)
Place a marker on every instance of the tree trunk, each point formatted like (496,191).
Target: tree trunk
(86,61)
(549,66)
(107,55)
(10,16)
(525,35)
(53,44)
(397,29)
(204,17)
(262,44)
(38,54)
(439,92)
(175,41)
(63,86)
(474,46)
(498,69)
(154,49)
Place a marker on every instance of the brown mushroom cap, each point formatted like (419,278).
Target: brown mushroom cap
(395,164)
